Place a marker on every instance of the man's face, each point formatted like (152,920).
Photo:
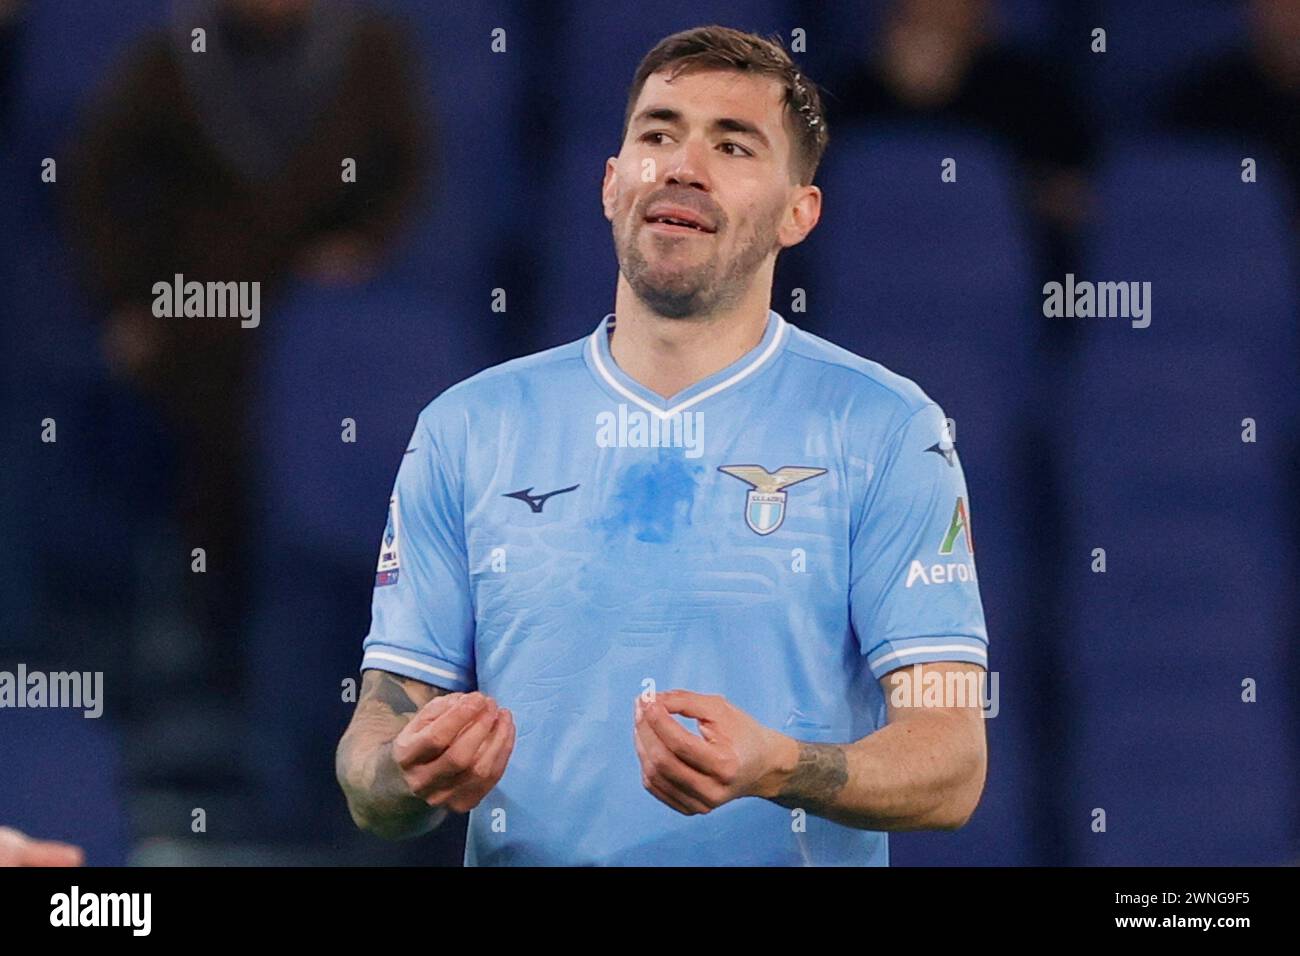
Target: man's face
(701,193)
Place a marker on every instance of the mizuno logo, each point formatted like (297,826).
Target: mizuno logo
(947,453)
(537,502)
(944,446)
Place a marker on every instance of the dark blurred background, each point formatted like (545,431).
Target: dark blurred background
(478,169)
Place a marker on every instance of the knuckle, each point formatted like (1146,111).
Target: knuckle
(419,784)
(463,803)
(456,764)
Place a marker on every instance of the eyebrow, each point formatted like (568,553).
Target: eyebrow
(726,124)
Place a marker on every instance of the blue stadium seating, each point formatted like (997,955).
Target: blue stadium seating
(1148,46)
(62,781)
(1198,593)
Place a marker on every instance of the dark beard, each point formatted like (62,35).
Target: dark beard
(701,291)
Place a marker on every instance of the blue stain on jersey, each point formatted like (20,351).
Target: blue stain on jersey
(786,546)
(652,498)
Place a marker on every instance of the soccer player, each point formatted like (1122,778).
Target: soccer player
(646,598)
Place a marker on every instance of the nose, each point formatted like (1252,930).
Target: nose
(686,166)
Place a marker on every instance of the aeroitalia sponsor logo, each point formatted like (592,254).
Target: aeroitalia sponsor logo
(949,571)
(959,525)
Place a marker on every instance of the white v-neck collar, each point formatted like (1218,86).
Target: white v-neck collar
(607,370)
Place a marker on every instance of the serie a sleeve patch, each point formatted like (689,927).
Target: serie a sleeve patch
(389,562)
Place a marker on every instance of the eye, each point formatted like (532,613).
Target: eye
(647,137)
(743,150)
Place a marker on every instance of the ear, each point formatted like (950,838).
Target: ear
(801,217)
(609,188)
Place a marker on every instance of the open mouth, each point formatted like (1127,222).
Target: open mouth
(677,221)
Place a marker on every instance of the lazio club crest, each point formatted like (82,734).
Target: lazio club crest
(765,502)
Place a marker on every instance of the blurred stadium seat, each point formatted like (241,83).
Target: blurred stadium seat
(62,781)
(1199,590)
(1148,46)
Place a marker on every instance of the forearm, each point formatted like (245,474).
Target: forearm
(922,773)
(378,798)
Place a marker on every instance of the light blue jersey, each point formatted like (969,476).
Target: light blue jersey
(783,533)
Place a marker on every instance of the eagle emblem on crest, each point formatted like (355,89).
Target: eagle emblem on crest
(766,499)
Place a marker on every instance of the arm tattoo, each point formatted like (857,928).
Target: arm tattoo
(377,794)
(389,690)
(822,771)
(400,695)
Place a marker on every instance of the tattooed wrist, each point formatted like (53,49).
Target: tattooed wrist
(818,777)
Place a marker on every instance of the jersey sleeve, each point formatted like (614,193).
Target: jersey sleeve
(914,597)
(422,616)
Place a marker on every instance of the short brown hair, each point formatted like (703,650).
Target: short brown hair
(716,47)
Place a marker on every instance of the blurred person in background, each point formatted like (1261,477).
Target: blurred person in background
(939,60)
(1252,93)
(10,26)
(227,165)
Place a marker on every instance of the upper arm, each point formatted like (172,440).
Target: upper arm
(422,614)
(952,689)
(940,706)
(913,594)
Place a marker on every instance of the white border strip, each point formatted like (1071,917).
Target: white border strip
(669,413)
(436,671)
(975,650)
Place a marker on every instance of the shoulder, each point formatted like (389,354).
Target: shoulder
(867,390)
(501,389)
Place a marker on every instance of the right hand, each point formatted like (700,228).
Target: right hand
(455,749)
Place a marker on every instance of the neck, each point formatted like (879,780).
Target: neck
(670,355)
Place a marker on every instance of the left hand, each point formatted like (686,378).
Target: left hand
(734,755)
